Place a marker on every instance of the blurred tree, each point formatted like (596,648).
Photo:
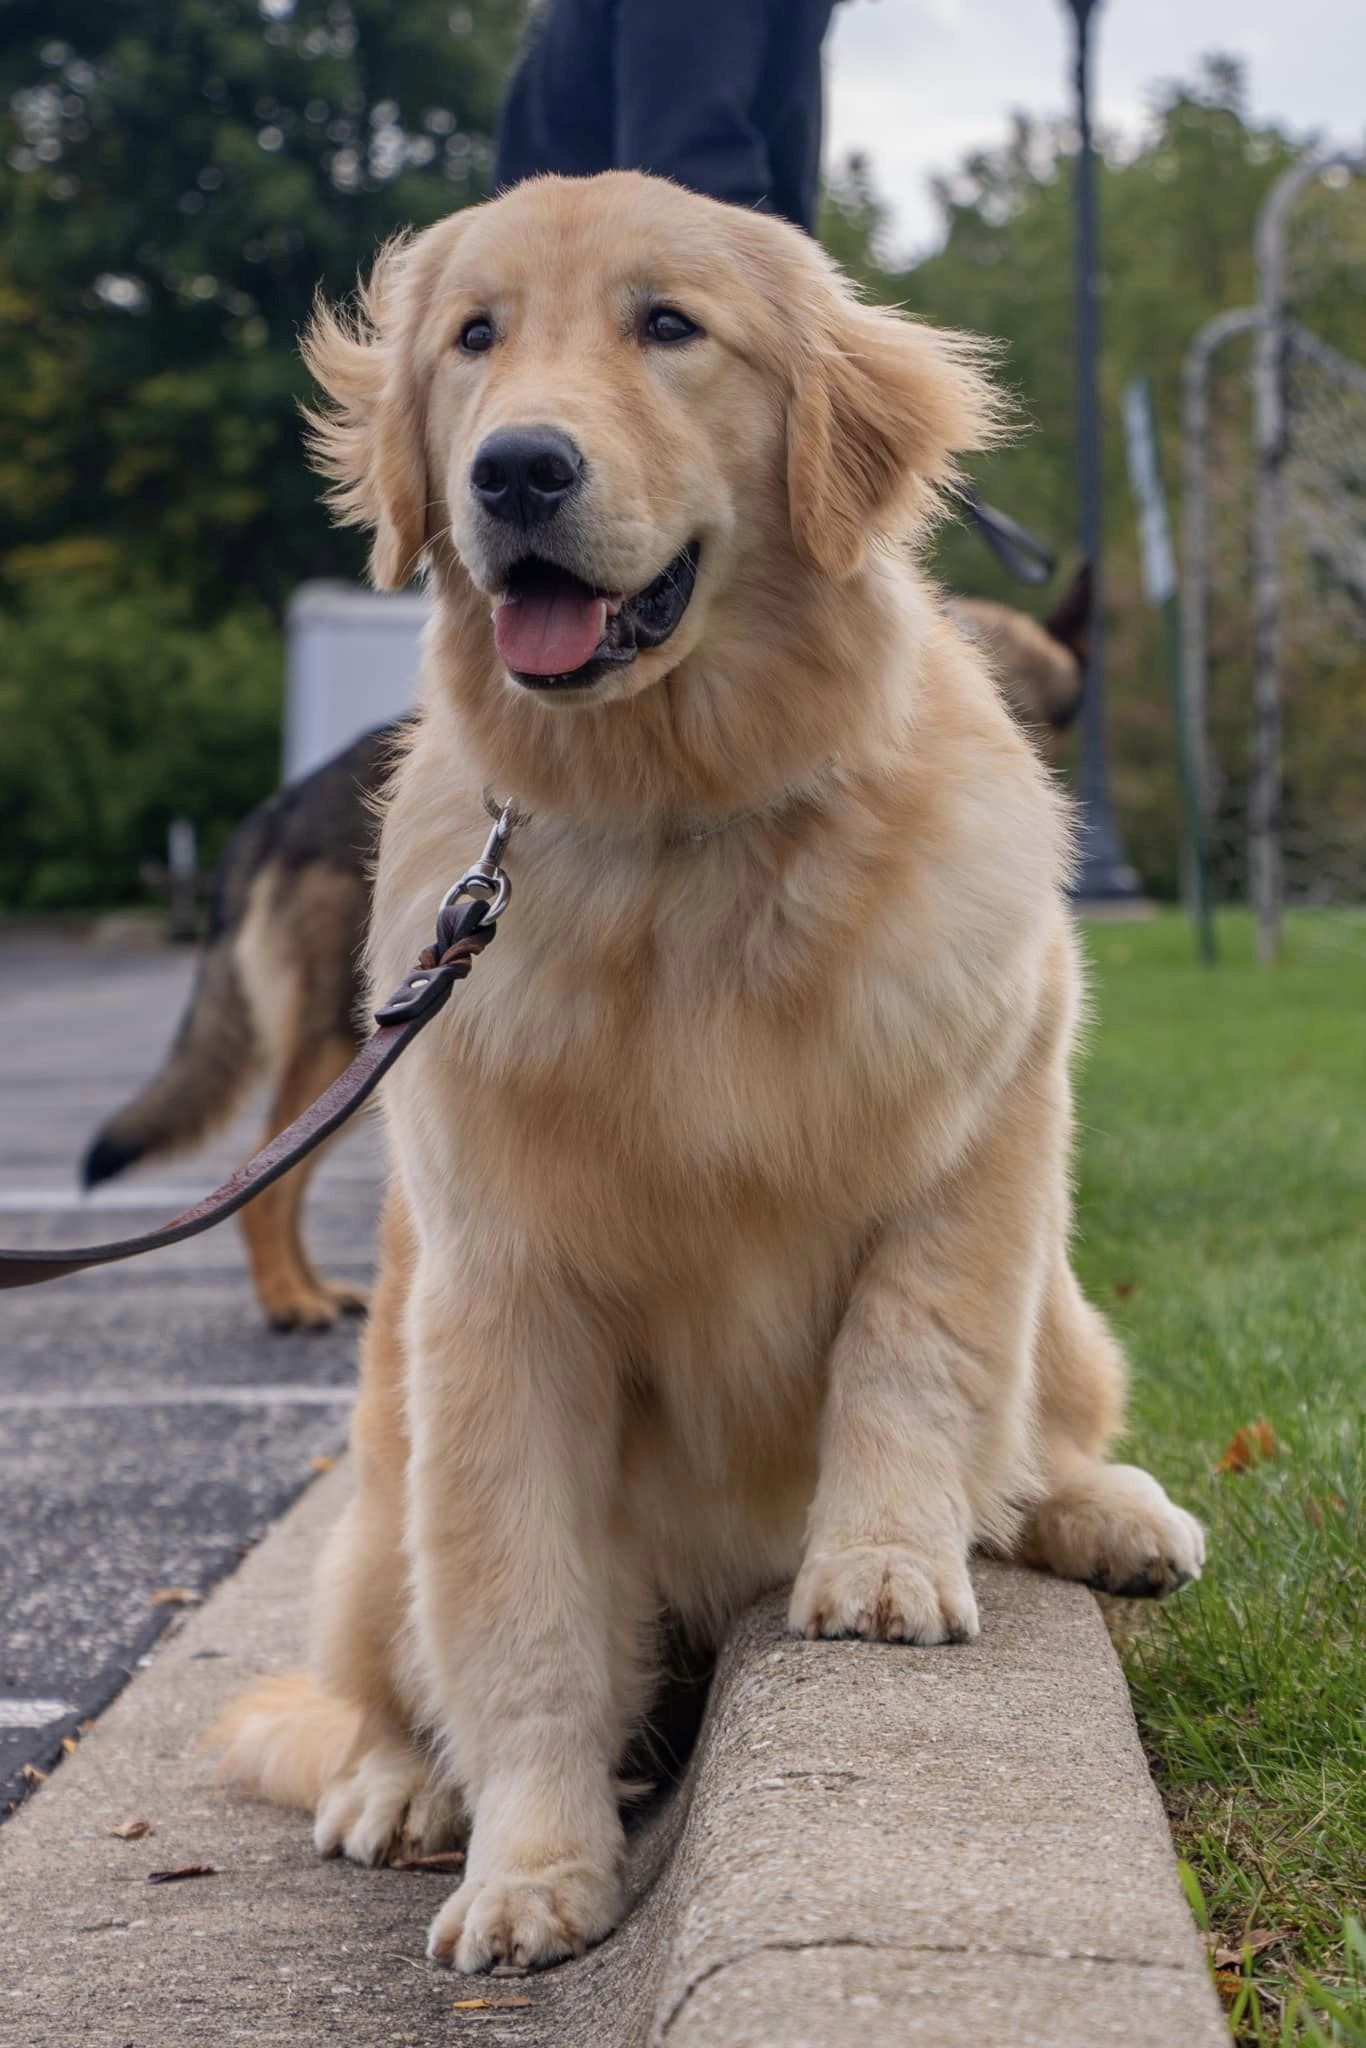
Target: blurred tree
(854,224)
(178,176)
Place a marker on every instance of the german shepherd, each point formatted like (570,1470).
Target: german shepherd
(277,993)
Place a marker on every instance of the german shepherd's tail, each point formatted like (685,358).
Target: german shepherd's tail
(212,1059)
(325,823)
(285,1740)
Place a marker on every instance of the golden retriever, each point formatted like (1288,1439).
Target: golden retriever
(727,1237)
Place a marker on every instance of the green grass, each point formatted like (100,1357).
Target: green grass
(1222,1219)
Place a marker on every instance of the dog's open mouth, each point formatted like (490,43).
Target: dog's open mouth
(555,632)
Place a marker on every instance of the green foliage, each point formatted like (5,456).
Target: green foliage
(1220,1205)
(177,178)
(120,711)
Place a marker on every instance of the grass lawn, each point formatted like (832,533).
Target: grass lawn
(1222,1225)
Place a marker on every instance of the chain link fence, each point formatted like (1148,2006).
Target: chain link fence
(1274,572)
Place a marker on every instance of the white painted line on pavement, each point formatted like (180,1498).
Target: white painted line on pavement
(285,1396)
(33,1713)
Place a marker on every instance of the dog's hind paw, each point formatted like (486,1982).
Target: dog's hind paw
(305,1308)
(312,1304)
(1113,1527)
(387,1807)
(528,1919)
(347,1299)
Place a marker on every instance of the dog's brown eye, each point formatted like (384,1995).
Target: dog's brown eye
(667,324)
(476,335)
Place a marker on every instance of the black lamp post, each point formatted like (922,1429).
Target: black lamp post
(1104,874)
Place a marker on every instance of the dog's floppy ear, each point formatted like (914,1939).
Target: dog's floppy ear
(880,406)
(368,436)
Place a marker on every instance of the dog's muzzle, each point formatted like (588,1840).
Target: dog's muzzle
(556,632)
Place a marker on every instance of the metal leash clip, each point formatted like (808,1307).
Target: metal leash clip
(487,876)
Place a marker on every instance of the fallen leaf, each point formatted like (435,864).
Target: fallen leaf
(1229,1956)
(321,1464)
(33,1776)
(70,1744)
(491,2004)
(445,1859)
(131,1830)
(185,1870)
(1124,1288)
(174,1596)
(1249,1446)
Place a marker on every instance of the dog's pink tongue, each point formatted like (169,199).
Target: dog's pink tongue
(548,633)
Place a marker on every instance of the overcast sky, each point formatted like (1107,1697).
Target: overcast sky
(918,83)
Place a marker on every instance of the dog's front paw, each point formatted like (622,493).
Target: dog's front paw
(528,1919)
(886,1593)
(1114,1528)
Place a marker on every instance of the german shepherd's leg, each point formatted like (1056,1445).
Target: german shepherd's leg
(388,1798)
(1109,1525)
(291,1292)
(521,1592)
(925,1437)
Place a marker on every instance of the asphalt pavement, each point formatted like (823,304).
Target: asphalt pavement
(151,1426)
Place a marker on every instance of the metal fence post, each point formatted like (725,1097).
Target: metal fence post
(1195,542)
(182,875)
(1105,875)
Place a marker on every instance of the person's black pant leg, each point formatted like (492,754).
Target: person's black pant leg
(792,107)
(558,112)
(723,96)
(688,80)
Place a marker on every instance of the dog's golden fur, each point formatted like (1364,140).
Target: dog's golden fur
(727,1233)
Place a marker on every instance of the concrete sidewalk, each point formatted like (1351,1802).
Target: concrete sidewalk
(875,1847)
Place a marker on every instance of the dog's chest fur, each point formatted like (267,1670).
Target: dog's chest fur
(676,1041)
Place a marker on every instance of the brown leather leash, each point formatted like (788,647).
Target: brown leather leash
(466,923)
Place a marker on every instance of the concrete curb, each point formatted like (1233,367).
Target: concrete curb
(874,1847)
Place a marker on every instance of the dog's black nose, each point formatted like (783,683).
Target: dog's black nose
(524,474)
